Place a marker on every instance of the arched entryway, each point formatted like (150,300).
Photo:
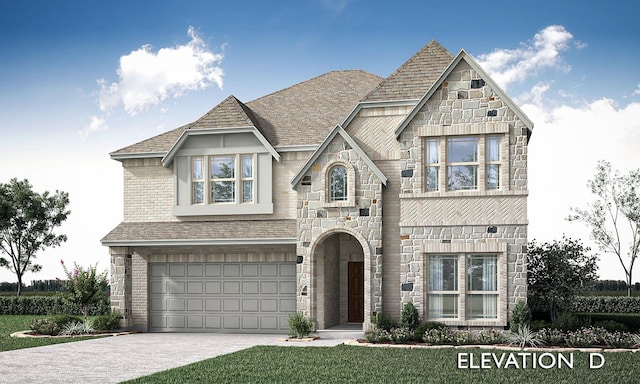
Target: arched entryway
(338,272)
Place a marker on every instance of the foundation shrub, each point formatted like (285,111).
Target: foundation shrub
(490,336)
(551,336)
(45,327)
(300,326)
(409,317)
(439,336)
(401,335)
(377,335)
(384,321)
(569,322)
(110,322)
(521,315)
(423,327)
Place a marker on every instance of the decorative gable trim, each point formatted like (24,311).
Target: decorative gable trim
(463,55)
(338,130)
(168,158)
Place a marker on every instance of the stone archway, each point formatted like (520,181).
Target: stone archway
(339,278)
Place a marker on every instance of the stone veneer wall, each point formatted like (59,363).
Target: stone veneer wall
(457,221)
(318,219)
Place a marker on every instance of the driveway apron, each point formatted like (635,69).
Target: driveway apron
(118,358)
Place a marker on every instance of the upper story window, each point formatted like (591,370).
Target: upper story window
(338,188)
(225,183)
(462,163)
(466,158)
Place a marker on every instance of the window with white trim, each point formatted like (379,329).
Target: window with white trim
(465,159)
(480,293)
(225,184)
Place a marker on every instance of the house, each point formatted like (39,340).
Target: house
(340,197)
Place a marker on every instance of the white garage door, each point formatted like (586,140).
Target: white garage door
(222,297)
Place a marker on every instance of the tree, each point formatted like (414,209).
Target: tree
(557,272)
(617,206)
(27,221)
(84,287)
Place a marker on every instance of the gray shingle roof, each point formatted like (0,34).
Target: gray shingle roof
(298,115)
(414,77)
(202,230)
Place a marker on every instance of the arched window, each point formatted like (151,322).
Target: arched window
(338,184)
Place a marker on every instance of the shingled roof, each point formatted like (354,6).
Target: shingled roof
(414,77)
(305,113)
(200,231)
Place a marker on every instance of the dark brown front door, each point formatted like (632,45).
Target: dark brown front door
(356,292)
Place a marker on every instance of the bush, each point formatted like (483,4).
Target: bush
(384,321)
(524,336)
(537,325)
(299,326)
(423,327)
(569,322)
(521,315)
(46,305)
(378,335)
(551,336)
(401,335)
(45,327)
(410,317)
(630,320)
(490,336)
(606,304)
(438,336)
(110,322)
(63,320)
(77,328)
(611,325)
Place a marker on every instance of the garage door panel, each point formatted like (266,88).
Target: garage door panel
(221,297)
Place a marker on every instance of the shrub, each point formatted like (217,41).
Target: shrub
(438,336)
(45,327)
(606,304)
(630,320)
(46,305)
(423,327)
(110,322)
(384,321)
(569,322)
(63,320)
(537,325)
(401,335)
(586,337)
(619,339)
(377,335)
(523,337)
(490,336)
(300,326)
(410,317)
(77,328)
(521,315)
(463,337)
(551,336)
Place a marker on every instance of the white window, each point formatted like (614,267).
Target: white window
(443,286)
(247,178)
(493,162)
(223,179)
(197,180)
(338,188)
(432,165)
(462,163)
(482,287)
(479,295)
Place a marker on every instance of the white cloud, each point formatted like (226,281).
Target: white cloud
(508,66)
(147,78)
(637,91)
(96,124)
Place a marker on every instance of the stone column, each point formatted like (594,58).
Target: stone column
(121,283)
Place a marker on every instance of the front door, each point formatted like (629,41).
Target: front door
(356,292)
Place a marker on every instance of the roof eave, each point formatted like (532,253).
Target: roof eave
(135,155)
(198,242)
(168,158)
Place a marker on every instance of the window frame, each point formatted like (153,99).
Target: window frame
(209,179)
(464,291)
(332,184)
(474,163)
(433,165)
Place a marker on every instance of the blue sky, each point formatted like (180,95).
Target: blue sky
(75,85)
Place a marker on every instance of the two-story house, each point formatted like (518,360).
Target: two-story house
(339,197)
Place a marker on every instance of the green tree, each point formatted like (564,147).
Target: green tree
(84,287)
(27,221)
(614,216)
(556,273)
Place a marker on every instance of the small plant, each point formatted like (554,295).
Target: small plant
(110,322)
(586,337)
(401,335)
(378,336)
(63,320)
(423,327)
(551,336)
(300,326)
(438,336)
(463,337)
(410,317)
(524,337)
(79,328)
(569,322)
(521,315)
(45,327)
(384,321)
(490,336)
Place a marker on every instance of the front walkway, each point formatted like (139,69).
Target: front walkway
(118,358)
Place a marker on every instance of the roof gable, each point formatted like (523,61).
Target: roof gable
(338,130)
(412,79)
(464,56)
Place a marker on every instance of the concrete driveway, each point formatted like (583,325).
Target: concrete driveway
(118,358)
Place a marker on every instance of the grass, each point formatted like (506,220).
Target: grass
(14,323)
(354,364)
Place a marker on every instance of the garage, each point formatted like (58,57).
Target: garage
(222,297)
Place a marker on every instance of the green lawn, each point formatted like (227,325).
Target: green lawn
(13,323)
(355,364)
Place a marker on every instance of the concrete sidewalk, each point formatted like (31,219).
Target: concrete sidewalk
(118,358)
